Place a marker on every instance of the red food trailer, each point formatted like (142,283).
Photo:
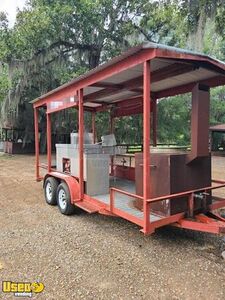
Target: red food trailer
(152,188)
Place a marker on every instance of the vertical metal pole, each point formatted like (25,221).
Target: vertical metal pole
(81,144)
(93,127)
(146,144)
(49,142)
(211,141)
(154,112)
(111,124)
(111,200)
(191,205)
(36,132)
(111,129)
(5,141)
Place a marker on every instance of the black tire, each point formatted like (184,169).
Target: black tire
(64,200)
(50,189)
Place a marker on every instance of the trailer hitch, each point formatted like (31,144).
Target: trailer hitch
(210,223)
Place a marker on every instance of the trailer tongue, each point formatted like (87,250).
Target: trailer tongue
(154,187)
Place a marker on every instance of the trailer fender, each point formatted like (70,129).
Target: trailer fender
(71,182)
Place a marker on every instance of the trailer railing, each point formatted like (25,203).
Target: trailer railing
(136,148)
(191,195)
(121,212)
(187,193)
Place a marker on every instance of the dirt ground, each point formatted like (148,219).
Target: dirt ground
(96,257)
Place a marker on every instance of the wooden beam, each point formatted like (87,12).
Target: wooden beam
(127,85)
(172,71)
(128,107)
(186,88)
(158,75)
(102,84)
(106,106)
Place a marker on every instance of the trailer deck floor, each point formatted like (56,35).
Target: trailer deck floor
(124,202)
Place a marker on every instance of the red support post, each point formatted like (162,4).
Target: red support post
(112,122)
(146,146)
(112,197)
(191,205)
(36,131)
(111,129)
(81,143)
(93,127)
(49,142)
(154,112)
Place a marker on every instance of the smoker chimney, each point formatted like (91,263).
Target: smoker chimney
(199,122)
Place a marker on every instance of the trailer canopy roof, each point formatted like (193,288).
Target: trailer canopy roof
(173,71)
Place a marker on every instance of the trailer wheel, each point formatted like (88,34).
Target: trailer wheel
(64,200)
(50,188)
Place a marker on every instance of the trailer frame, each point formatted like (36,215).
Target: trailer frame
(206,221)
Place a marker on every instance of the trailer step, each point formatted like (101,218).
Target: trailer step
(88,207)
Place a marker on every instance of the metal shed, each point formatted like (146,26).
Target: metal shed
(217,139)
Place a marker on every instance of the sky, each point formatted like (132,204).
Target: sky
(10,6)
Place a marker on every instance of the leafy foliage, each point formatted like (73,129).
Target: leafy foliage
(174,120)
(4,83)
